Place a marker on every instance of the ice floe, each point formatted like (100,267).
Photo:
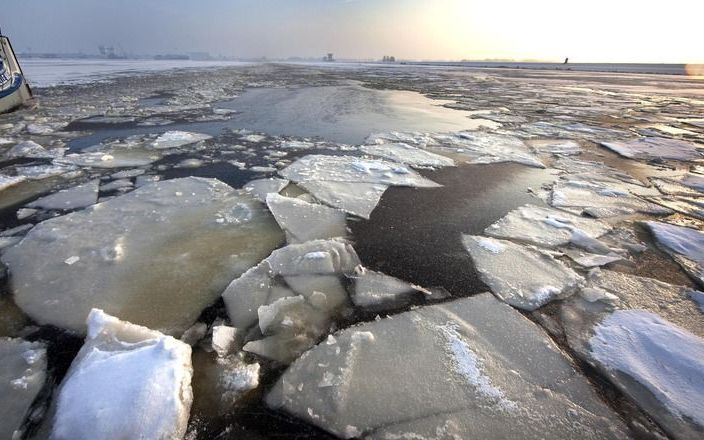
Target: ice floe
(522,276)
(350,183)
(600,199)
(23,368)
(110,158)
(259,188)
(685,246)
(156,256)
(375,291)
(657,148)
(482,371)
(406,154)
(77,197)
(545,226)
(176,139)
(31,149)
(303,221)
(125,372)
(292,296)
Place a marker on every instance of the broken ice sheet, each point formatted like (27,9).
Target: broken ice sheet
(684,245)
(156,256)
(690,206)
(31,149)
(406,154)
(483,148)
(600,199)
(303,221)
(561,147)
(544,226)
(259,188)
(22,375)
(111,158)
(292,296)
(130,373)
(176,139)
(352,184)
(483,366)
(522,276)
(76,197)
(375,291)
(654,362)
(657,148)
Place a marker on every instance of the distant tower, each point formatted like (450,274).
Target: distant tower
(566,61)
(328,57)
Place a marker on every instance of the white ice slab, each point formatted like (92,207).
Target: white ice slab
(176,139)
(303,221)
(600,199)
(259,188)
(110,158)
(22,376)
(406,154)
(31,149)
(77,197)
(657,148)
(376,291)
(685,246)
(482,366)
(646,357)
(8,181)
(484,148)
(544,226)
(126,382)
(522,276)
(358,199)
(157,255)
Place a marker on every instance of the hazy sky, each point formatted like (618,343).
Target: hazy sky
(584,30)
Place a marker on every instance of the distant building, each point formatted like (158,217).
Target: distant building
(328,57)
(388,59)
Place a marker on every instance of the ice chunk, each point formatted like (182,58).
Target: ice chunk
(126,174)
(602,199)
(110,158)
(22,375)
(656,363)
(157,255)
(524,277)
(8,181)
(544,226)
(482,365)
(483,148)
(127,381)
(404,153)
(117,185)
(77,197)
(31,149)
(563,147)
(376,291)
(224,340)
(685,246)
(358,199)
(693,207)
(353,169)
(259,188)
(303,221)
(176,139)
(657,148)
(586,259)
(293,317)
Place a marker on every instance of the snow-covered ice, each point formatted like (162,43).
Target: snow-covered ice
(522,276)
(406,154)
(127,381)
(483,368)
(176,139)
(23,368)
(600,199)
(110,158)
(156,256)
(544,226)
(685,246)
(657,148)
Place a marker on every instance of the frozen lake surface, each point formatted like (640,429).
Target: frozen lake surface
(351,251)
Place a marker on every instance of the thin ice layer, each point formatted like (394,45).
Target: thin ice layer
(259,188)
(127,381)
(657,148)
(358,199)
(483,148)
(522,276)
(481,362)
(406,154)
(600,199)
(544,226)
(176,139)
(303,221)
(156,256)
(376,291)
(110,158)
(685,246)
(22,375)
(79,196)
(640,351)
